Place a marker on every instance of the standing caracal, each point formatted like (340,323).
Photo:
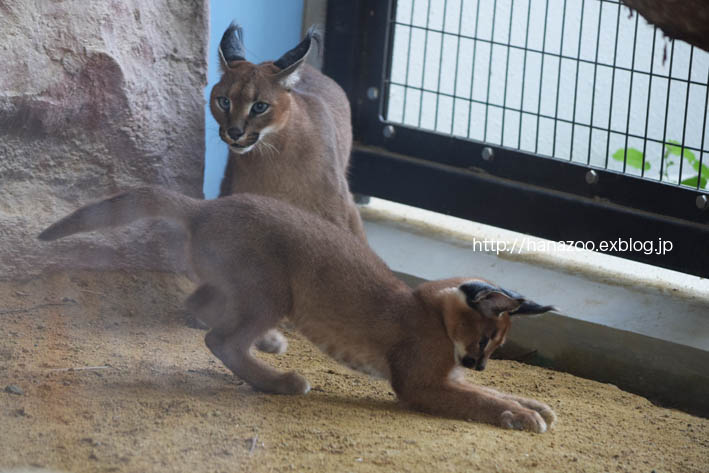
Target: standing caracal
(288,128)
(289,132)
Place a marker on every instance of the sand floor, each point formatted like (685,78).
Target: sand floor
(99,373)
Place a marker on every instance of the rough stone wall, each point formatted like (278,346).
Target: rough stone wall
(96,97)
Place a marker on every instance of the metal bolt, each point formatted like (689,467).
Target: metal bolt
(388,131)
(591,177)
(372,93)
(702,202)
(487,154)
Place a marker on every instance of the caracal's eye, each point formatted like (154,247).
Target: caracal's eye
(224,103)
(259,107)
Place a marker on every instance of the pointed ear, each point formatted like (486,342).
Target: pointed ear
(487,299)
(231,47)
(531,308)
(292,62)
(528,307)
(493,301)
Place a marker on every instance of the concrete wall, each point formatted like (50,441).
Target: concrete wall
(96,97)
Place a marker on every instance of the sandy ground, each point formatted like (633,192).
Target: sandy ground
(99,373)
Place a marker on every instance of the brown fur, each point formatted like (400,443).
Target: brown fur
(299,149)
(261,260)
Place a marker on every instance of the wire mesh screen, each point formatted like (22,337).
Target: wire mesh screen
(586,81)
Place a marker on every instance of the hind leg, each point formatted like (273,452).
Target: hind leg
(234,350)
(206,307)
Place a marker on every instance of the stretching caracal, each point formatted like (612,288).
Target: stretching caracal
(261,260)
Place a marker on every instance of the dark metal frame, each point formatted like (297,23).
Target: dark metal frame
(546,197)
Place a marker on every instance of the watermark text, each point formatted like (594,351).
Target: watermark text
(530,245)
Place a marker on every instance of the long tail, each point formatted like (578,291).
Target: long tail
(122,209)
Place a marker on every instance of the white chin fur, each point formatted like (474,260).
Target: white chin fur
(242,150)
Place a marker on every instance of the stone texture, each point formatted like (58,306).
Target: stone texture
(96,97)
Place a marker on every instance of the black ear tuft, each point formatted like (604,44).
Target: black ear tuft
(476,290)
(231,47)
(531,307)
(315,33)
(492,300)
(489,300)
(298,54)
(528,307)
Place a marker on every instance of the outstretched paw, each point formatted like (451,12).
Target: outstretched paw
(524,419)
(548,415)
(545,411)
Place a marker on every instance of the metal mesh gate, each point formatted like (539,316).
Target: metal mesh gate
(585,81)
(565,119)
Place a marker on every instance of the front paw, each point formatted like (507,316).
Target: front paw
(547,414)
(523,419)
(545,411)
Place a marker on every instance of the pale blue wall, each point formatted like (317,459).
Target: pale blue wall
(271,27)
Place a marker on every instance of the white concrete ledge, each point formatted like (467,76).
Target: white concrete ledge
(589,286)
(643,328)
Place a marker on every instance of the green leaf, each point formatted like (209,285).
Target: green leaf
(674,147)
(691,158)
(692,182)
(634,158)
(695,164)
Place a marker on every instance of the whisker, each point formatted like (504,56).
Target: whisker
(264,150)
(269,146)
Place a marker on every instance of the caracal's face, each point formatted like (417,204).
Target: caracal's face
(475,336)
(248,103)
(475,315)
